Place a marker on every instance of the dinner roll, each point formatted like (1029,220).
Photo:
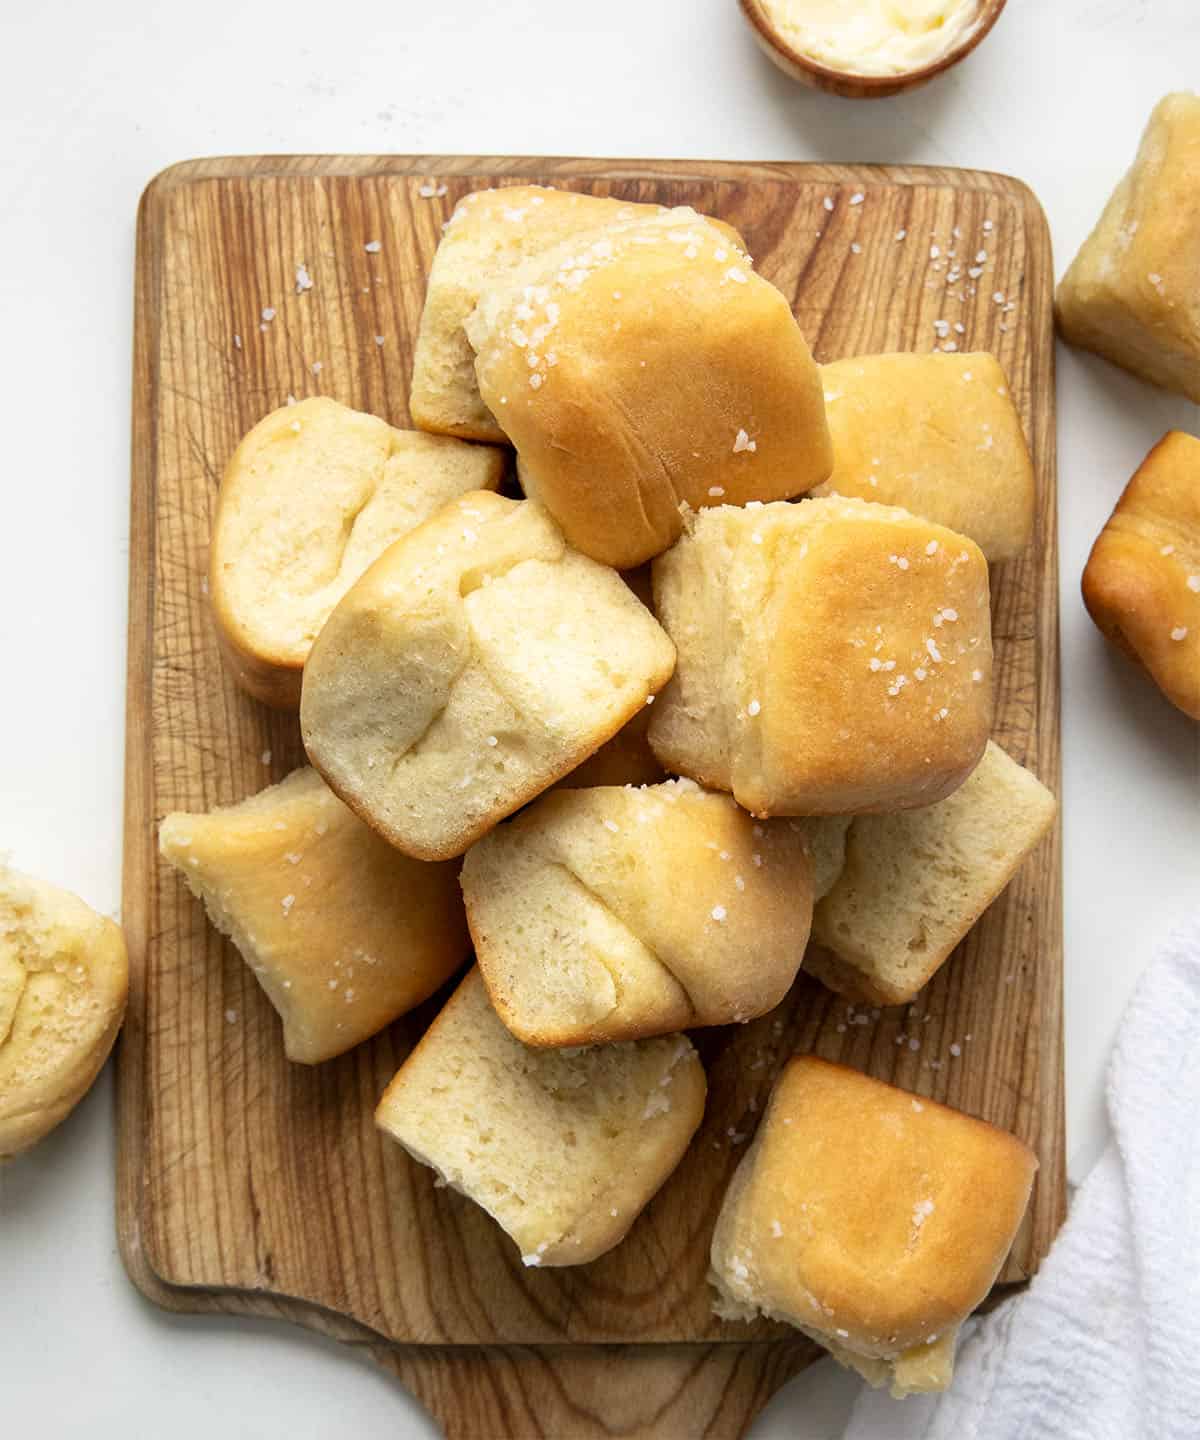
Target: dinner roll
(490,233)
(477,661)
(563,1149)
(615,914)
(342,932)
(313,494)
(645,366)
(834,657)
(1142,581)
(1131,293)
(871,1220)
(937,435)
(64,978)
(915,882)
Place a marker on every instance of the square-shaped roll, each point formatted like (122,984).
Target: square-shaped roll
(489,235)
(915,882)
(939,436)
(1131,294)
(563,1149)
(646,366)
(585,933)
(871,1220)
(1142,581)
(478,660)
(835,657)
(313,494)
(343,932)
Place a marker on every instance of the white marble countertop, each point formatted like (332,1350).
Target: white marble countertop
(95,101)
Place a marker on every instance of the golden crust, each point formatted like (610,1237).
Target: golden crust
(875,1220)
(1141,584)
(584,935)
(1131,293)
(834,657)
(646,366)
(490,233)
(939,436)
(64,979)
(343,932)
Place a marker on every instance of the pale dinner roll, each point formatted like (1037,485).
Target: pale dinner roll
(871,1220)
(64,978)
(616,914)
(1131,294)
(835,657)
(477,661)
(314,494)
(563,1149)
(642,367)
(915,882)
(939,436)
(489,235)
(343,932)
(1142,581)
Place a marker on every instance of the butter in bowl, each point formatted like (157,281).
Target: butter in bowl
(867,49)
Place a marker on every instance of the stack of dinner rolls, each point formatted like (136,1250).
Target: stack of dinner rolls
(779,726)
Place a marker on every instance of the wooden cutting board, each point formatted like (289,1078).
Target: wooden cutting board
(250,1185)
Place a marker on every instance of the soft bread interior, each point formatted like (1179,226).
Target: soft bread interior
(562,1148)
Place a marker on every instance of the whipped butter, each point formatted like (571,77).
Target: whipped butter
(873,37)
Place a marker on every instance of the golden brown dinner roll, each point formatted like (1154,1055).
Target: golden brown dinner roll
(871,1220)
(314,494)
(343,932)
(937,435)
(915,882)
(644,366)
(64,977)
(477,661)
(616,914)
(1142,581)
(562,1148)
(834,657)
(490,233)
(1131,293)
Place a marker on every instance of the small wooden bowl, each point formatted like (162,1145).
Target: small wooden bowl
(861,87)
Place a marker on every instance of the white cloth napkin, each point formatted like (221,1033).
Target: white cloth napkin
(1105,1342)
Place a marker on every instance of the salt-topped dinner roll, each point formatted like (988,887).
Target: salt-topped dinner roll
(343,932)
(871,1220)
(478,661)
(64,978)
(914,882)
(314,494)
(642,367)
(563,1149)
(1142,581)
(939,436)
(616,914)
(835,657)
(1131,293)
(489,235)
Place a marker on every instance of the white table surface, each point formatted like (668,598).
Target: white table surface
(96,99)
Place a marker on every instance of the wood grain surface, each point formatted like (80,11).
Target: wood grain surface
(250,1185)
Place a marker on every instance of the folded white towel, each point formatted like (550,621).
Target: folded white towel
(1105,1342)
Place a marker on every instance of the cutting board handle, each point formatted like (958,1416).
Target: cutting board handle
(596,1392)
